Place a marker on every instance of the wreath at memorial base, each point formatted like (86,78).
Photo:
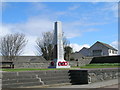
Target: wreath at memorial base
(52,63)
(62,63)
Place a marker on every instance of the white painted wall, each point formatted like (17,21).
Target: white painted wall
(112,52)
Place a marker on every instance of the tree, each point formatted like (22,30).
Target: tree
(68,51)
(45,45)
(12,45)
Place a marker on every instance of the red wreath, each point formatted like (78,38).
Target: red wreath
(62,63)
(52,63)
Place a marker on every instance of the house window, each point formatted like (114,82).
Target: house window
(109,51)
(113,51)
(97,52)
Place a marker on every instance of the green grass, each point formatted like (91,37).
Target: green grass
(31,69)
(98,67)
(105,65)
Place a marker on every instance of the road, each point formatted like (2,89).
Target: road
(104,84)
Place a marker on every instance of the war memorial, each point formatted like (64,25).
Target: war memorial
(58,61)
(62,74)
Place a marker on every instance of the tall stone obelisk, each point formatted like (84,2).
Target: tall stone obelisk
(58,52)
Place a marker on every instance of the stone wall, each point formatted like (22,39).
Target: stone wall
(45,64)
(31,65)
(100,75)
(40,62)
(81,62)
(106,59)
(47,77)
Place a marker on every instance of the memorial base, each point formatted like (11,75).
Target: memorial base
(59,64)
(59,67)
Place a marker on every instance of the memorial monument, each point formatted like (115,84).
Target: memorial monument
(58,53)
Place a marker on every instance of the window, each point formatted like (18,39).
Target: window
(109,51)
(97,52)
(113,51)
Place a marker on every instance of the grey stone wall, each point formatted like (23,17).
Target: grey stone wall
(100,75)
(85,60)
(40,62)
(31,65)
(31,62)
(106,59)
(47,77)
(34,78)
(45,64)
(28,62)
(81,61)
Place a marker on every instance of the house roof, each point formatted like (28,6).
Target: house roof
(77,55)
(84,48)
(107,45)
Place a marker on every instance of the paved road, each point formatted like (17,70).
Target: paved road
(113,86)
(105,84)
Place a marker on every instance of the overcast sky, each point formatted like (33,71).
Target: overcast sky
(83,23)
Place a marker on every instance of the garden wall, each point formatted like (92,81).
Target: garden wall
(106,59)
(41,78)
(99,75)
(40,62)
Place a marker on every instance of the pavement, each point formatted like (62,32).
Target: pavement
(105,84)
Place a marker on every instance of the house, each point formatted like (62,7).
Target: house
(99,49)
(76,55)
(84,51)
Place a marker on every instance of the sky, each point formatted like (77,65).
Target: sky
(83,23)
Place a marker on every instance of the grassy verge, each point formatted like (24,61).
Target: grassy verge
(31,69)
(105,65)
(97,67)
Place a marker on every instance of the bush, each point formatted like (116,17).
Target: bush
(72,59)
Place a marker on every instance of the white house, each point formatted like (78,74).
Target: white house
(99,49)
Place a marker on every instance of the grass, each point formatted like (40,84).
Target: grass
(105,65)
(98,67)
(31,69)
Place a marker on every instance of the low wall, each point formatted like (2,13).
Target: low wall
(100,75)
(37,78)
(106,59)
(40,62)
(31,65)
